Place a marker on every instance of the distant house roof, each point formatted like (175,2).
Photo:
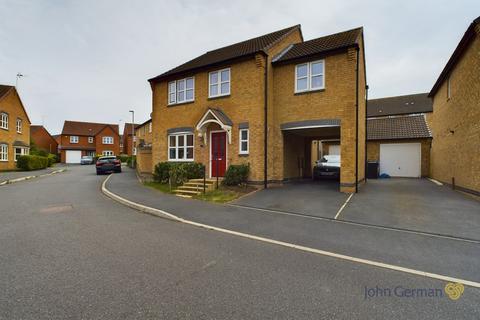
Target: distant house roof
(457,54)
(85,128)
(127,128)
(322,45)
(398,127)
(408,104)
(234,51)
(143,124)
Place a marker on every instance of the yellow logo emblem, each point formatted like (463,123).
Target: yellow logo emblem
(454,290)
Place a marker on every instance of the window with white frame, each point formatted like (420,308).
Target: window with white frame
(73,139)
(19,125)
(90,139)
(310,76)
(244,143)
(449,89)
(180,147)
(4,120)
(150,127)
(20,151)
(3,152)
(107,140)
(219,83)
(107,153)
(182,90)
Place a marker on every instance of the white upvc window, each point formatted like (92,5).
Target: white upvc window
(134,151)
(73,139)
(4,120)
(108,153)
(243,141)
(107,140)
(19,125)
(219,83)
(3,152)
(310,76)
(449,89)
(20,151)
(180,147)
(182,90)
(90,139)
(150,127)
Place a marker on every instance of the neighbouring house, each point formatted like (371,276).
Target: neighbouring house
(121,143)
(42,139)
(399,136)
(87,138)
(456,116)
(262,102)
(14,128)
(128,138)
(143,145)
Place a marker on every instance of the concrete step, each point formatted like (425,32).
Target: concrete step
(187,192)
(206,180)
(183,196)
(197,184)
(190,187)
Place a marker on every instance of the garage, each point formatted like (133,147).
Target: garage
(73,156)
(401,159)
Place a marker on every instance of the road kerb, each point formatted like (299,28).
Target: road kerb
(167,215)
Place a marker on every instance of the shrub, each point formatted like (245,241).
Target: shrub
(123,157)
(177,172)
(30,162)
(236,175)
(51,159)
(131,161)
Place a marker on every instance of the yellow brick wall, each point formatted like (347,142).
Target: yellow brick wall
(11,104)
(373,151)
(456,124)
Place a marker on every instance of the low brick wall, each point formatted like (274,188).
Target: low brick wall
(144,161)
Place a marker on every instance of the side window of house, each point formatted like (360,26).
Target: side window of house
(19,126)
(182,90)
(244,141)
(90,139)
(73,139)
(150,127)
(219,83)
(4,120)
(449,88)
(180,147)
(310,76)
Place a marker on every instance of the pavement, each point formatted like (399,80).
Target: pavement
(8,176)
(69,252)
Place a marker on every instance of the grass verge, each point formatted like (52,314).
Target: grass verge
(163,187)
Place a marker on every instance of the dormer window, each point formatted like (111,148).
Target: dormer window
(180,91)
(310,76)
(219,83)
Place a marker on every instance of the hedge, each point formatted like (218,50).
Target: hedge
(29,162)
(236,175)
(177,172)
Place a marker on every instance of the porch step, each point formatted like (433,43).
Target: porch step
(194,187)
(186,192)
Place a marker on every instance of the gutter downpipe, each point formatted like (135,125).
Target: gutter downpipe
(356,119)
(265,125)
(366,131)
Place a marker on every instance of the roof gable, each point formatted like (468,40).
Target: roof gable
(6,90)
(35,128)
(407,104)
(237,50)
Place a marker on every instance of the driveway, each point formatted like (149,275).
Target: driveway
(415,204)
(315,198)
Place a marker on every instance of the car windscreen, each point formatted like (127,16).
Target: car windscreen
(107,160)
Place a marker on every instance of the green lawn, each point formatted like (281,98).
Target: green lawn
(163,187)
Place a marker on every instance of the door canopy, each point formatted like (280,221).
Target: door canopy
(215,116)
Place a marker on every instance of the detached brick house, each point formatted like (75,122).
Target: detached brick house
(262,102)
(456,116)
(128,138)
(14,128)
(86,138)
(43,140)
(399,136)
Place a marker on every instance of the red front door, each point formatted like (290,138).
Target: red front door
(219,154)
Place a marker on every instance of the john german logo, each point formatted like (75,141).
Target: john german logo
(452,290)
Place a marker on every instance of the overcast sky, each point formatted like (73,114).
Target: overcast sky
(90,60)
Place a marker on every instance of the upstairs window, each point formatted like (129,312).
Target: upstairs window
(107,140)
(180,147)
(4,120)
(19,125)
(219,83)
(310,76)
(180,91)
(90,139)
(73,139)
(243,143)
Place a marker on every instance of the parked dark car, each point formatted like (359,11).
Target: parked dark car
(328,166)
(108,164)
(87,160)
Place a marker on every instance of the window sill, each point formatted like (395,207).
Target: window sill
(179,104)
(6,129)
(189,160)
(309,91)
(243,154)
(219,97)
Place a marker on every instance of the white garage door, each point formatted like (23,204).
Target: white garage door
(401,159)
(334,149)
(73,156)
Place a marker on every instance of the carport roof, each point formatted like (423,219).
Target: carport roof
(398,127)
